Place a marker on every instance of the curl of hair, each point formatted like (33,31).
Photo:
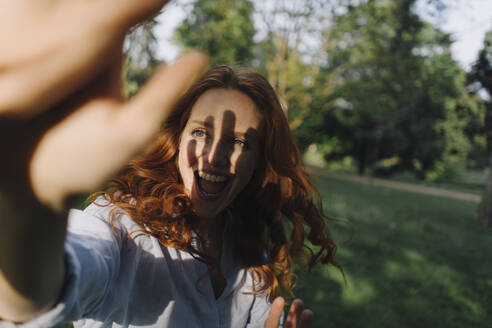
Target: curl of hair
(279,197)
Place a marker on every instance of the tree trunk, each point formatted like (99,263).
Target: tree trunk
(484,211)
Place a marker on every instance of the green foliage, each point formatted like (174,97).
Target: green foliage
(441,171)
(398,91)
(482,69)
(379,82)
(224,29)
(140,61)
(482,73)
(471,111)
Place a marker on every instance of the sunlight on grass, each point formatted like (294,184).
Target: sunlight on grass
(434,275)
(415,261)
(413,256)
(345,252)
(358,291)
(393,269)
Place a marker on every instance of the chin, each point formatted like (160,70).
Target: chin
(207,208)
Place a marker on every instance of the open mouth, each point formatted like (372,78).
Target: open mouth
(210,185)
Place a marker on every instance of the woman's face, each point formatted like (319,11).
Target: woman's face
(219,149)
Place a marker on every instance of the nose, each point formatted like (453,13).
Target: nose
(217,153)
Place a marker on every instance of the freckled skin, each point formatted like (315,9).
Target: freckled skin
(222,136)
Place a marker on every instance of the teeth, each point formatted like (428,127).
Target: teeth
(211,177)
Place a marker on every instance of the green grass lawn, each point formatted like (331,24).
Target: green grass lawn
(415,261)
(463,180)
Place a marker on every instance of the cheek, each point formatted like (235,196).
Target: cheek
(185,162)
(244,165)
(188,153)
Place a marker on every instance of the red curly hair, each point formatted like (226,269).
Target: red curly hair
(279,196)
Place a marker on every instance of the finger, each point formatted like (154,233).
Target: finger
(107,84)
(306,319)
(144,113)
(42,50)
(58,58)
(110,126)
(275,313)
(134,11)
(294,314)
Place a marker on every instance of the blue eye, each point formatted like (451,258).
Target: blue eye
(238,142)
(198,133)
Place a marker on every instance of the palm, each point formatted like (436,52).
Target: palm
(76,142)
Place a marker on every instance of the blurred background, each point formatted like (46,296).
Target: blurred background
(390,88)
(390,103)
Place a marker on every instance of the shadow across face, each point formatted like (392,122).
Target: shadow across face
(222,151)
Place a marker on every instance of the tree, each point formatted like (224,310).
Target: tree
(280,52)
(399,85)
(482,73)
(471,111)
(224,29)
(291,50)
(140,61)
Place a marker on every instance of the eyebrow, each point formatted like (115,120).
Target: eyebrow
(204,123)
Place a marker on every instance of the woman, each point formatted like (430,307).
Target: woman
(220,183)
(192,233)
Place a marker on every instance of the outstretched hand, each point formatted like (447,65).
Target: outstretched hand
(296,318)
(60,93)
(64,128)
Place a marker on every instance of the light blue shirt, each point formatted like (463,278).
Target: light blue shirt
(115,281)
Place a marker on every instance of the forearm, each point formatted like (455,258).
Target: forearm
(31,256)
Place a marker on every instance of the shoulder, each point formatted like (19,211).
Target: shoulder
(100,218)
(104,220)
